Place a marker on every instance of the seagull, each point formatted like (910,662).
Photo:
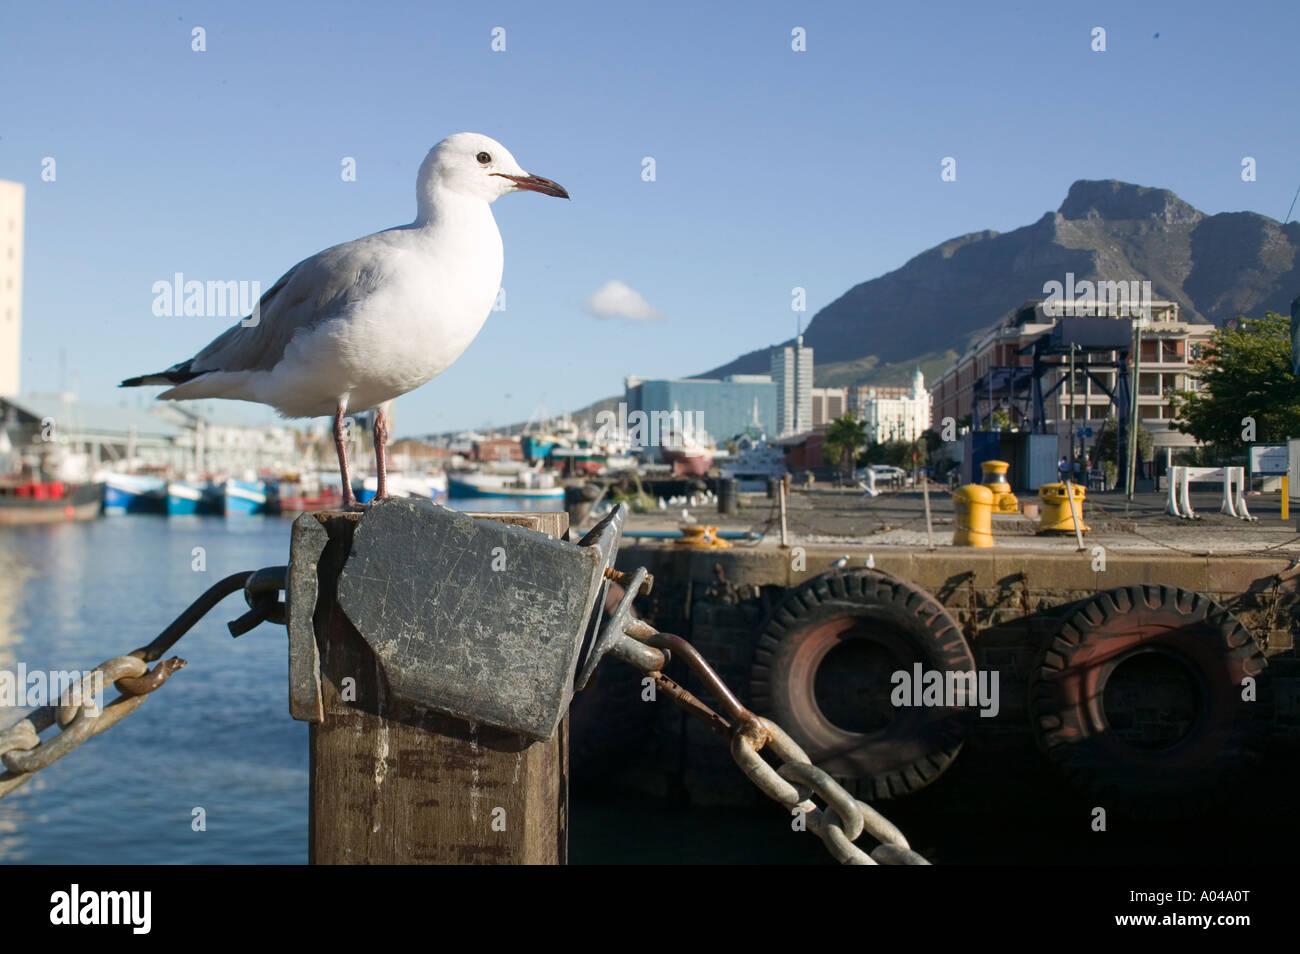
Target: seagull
(363,322)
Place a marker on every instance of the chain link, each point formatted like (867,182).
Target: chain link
(22,751)
(795,781)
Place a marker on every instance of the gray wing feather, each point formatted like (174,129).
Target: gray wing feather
(313,291)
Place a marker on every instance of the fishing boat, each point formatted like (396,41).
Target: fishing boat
(247,497)
(134,493)
(428,486)
(308,494)
(190,497)
(51,501)
(536,446)
(528,483)
(687,459)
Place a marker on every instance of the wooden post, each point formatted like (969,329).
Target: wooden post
(396,784)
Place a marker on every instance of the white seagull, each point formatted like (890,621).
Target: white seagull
(358,324)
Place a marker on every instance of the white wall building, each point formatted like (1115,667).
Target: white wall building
(12,195)
(894,417)
(792,370)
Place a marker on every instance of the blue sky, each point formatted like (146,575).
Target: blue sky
(774,168)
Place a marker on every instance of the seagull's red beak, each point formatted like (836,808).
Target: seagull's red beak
(536,184)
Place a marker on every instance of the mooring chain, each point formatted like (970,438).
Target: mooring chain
(796,780)
(22,751)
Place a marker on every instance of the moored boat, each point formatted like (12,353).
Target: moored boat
(525,484)
(308,494)
(189,497)
(428,486)
(50,501)
(134,493)
(247,497)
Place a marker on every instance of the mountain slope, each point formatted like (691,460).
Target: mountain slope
(1216,267)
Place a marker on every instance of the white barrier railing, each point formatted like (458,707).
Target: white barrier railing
(1179,503)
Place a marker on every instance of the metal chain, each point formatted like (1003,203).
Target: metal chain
(22,751)
(795,780)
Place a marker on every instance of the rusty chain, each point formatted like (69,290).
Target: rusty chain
(796,780)
(22,751)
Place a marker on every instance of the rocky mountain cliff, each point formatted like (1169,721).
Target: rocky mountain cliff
(1215,266)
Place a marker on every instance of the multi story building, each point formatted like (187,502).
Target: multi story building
(792,372)
(996,374)
(893,414)
(12,195)
(828,404)
(722,409)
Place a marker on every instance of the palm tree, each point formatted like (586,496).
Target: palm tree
(843,438)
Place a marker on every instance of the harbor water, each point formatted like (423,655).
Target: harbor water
(217,745)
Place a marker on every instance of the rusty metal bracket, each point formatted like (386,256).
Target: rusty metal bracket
(471,617)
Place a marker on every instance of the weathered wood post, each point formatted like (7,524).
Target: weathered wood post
(394,783)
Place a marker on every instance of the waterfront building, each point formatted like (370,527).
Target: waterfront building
(792,372)
(721,408)
(828,404)
(896,414)
(996,373)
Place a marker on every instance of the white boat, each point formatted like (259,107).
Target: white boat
(427,486)
(753,464)
(528,483)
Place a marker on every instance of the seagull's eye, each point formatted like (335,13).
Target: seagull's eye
(483,158)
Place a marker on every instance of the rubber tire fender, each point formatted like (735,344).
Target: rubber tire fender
(1067,689)
(918,744)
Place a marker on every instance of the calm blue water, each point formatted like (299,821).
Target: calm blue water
(217,737)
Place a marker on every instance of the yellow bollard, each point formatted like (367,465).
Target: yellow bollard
(1286,497)
(699,535)
(973,524)
(995,479)
(1056,516)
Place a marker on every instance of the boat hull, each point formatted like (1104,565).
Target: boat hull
(132,494)
(77,502)
(246,497)
(185,499)
(458,487)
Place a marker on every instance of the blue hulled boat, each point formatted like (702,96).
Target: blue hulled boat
(189,497)
(134,493)
(247,497)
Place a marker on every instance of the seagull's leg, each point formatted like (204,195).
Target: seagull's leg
(381,439)
(349,501)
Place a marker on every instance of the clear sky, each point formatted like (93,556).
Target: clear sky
(773,168)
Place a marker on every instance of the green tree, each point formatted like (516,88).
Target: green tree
(1245,373)
(843,438)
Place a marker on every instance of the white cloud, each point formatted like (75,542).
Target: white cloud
(616,300)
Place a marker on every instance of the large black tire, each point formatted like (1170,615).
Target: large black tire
(822,671)
(1138,698)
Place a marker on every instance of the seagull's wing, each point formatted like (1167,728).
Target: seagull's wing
(313,291)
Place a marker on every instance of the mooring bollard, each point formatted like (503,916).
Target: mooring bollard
(973,518)
(447,648)
(1062,505)
(728,495)
(995,479)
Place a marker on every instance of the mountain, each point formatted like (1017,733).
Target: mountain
(1215,266)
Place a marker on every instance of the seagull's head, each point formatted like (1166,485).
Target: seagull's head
(477,165)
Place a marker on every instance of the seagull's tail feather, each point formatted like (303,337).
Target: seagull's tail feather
(177,374)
